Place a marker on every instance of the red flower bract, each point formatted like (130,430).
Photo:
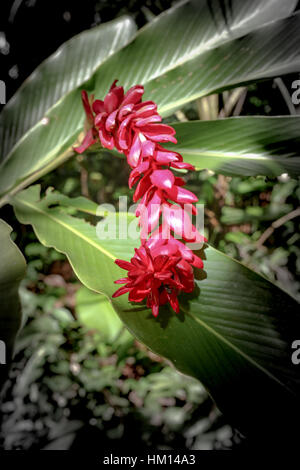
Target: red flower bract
(91,131)
(157,272)
(163,266)
(124,122)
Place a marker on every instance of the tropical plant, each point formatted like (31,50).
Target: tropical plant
(11,273)
(235,330)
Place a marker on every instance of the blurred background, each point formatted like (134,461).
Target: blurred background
(78,377)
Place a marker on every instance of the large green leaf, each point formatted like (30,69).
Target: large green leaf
(242,146)
(268,51)
(233,333)
(12,270)
(187,52)
(95,312)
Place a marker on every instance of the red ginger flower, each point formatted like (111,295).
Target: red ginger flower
(162,267)
(158,271)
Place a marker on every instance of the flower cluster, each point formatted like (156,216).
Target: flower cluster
(162,267)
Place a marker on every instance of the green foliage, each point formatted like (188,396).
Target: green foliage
(96,312)
(12,270)
(271,242)
(241,146)
(70,381)
(219,327)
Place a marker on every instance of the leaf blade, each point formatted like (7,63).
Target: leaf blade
(12,270)
(241,146)
(233,333)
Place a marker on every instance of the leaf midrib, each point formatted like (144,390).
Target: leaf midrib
(225,155)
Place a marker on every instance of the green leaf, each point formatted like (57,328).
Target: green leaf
(233,333)
(96,312)
(12,270)
(82,204)
(187,52)
(79,203)
(241,146)
(266,52)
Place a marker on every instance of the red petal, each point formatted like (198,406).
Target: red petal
(167,249)
(183,166)
(181,195)
(163,179)
(163,298)
(179,181)
(87,106)
(113,84)
(143,202)
(111,121)
(155,310)
(148,120)
(106,139)
(145,109)
(185,252)
(99,119)
(165,157)
(123,133)
(184,266)
(150,217)
(197,262)
(118,91)
(87,142)
(135,151)
(160,137)
(123,264)
(159,133)
(190,209)
(133,95)
(121,281)
(121,291)
(143,185)
(174,302)
(179,221)
(159,129)
(98,106)
(148,148)
(125,110)
(136,173)
(110,102)
(159,262)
